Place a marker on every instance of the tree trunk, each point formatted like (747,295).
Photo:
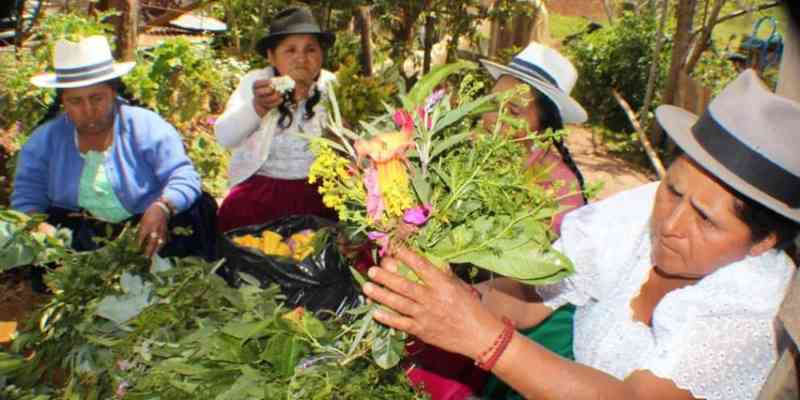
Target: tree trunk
(126,28)
(705,37)
(430,26)
(680,47)
(364,22)
(658,166)
(609,9)
(654,66)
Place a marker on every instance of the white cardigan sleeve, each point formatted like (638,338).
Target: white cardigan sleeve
(240,119)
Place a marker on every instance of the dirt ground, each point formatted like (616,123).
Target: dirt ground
(596,164)
(592,9)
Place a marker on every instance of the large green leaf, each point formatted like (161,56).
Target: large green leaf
(425,86)
(13,253)
(481,104)
(516,247)
(388,347)
(284,351)
(137,295)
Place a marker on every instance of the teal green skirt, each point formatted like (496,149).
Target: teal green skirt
(554,333)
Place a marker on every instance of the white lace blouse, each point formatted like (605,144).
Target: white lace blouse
(715,338)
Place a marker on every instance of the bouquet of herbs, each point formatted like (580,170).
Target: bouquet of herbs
(427,175)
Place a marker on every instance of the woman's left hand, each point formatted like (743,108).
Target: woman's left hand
(443,311)
(152,230)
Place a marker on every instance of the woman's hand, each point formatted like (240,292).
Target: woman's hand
(153,229)
(443,311)
(265,97)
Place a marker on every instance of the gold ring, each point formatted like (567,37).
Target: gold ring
(160,242)
(153,235)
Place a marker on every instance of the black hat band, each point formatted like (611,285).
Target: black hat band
(745,162)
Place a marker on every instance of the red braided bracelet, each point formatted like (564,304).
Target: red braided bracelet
(498,347)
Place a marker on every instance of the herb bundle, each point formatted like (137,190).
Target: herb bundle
(428,176)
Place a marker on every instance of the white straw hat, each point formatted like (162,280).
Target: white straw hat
(549,72)
(80,64)
(748,138)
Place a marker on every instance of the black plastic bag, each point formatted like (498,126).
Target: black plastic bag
(321,281)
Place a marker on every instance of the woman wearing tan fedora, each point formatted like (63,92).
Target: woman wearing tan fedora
(677,283)
(268,172)
(101,162)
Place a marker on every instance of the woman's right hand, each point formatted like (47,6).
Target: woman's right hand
(442,311)
(265,97)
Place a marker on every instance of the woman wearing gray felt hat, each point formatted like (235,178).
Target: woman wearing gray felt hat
(269,164)
(677,283)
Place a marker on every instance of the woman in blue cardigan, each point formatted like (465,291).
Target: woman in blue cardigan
(102,162)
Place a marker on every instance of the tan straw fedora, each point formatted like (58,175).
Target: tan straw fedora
(81,64)
(549,72)
(749,138)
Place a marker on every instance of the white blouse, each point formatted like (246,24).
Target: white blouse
(715,338)
(260,145)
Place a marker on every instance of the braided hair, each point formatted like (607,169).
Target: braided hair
(550,117)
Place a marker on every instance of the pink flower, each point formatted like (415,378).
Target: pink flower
(375,204)
(404,120)
(382,239)
(211,120)
(417,216)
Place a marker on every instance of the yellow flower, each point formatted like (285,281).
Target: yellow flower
(388,190)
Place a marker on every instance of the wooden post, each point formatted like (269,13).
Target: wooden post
(782,382)
(658,166)
(126,28)
(788,84)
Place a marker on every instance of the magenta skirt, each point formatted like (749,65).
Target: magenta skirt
(262,199)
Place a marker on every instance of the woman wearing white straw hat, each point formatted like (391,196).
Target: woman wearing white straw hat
(677,283)
(551,77)
(102,162)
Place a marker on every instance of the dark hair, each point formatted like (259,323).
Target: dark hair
(762,221)
(550,117)
(54,108)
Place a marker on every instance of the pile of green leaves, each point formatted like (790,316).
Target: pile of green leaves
(123,326)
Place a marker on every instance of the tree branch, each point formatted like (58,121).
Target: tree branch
(739,13)
(648,147)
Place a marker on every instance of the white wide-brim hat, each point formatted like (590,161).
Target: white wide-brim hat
(748,138)
(549,72)
(81,64)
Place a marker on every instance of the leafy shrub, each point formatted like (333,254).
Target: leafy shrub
(616,57)
(177,79)
(346,48)
(362,98)
(209,158)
